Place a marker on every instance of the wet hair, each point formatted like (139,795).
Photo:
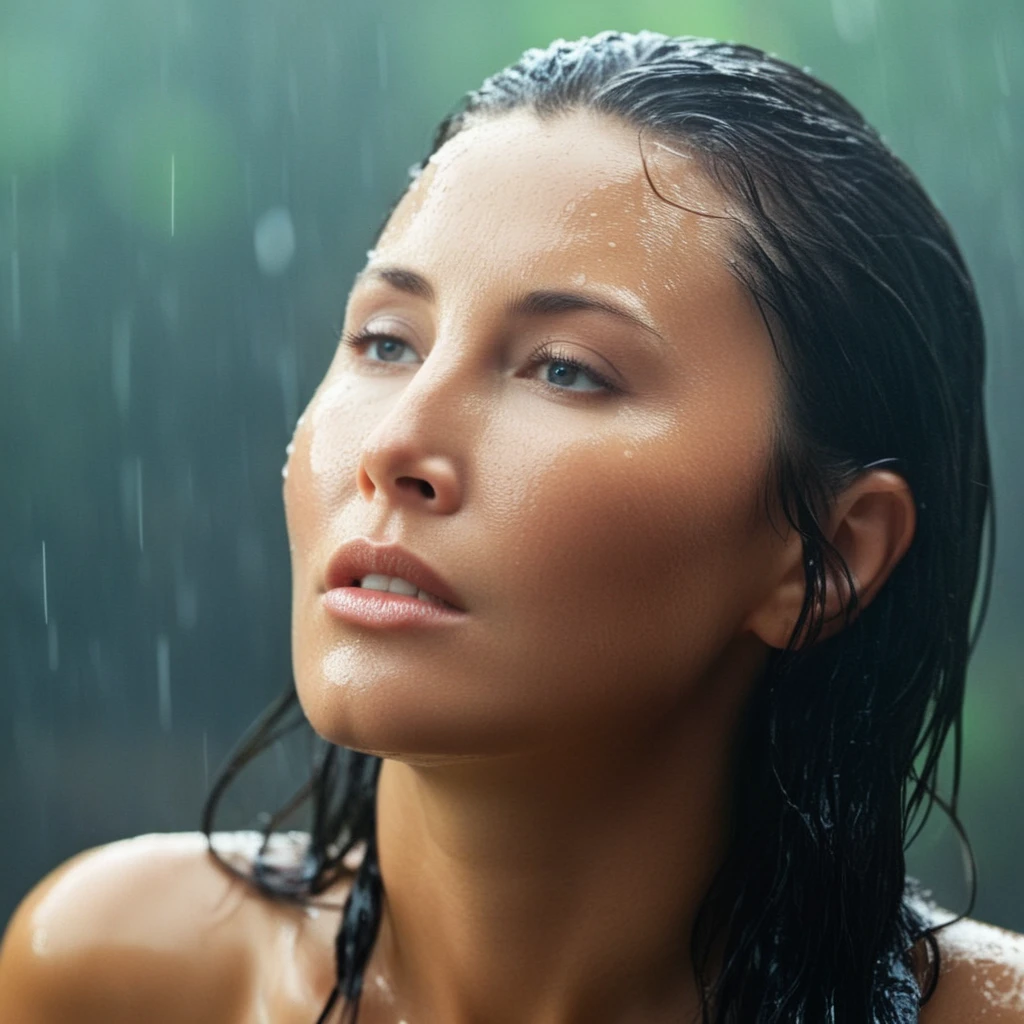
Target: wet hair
(876,324)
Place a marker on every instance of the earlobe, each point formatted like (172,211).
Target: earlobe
(871,526)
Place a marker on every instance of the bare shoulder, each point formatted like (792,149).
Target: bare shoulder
(149,928)
(981,977)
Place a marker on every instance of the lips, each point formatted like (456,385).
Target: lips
(361,557)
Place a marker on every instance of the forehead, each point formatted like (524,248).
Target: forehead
(565,200)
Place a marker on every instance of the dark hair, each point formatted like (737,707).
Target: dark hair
(876,324)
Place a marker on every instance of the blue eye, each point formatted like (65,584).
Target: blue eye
(567,368)
(365,339)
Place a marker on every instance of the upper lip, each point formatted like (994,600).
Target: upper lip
(361,557)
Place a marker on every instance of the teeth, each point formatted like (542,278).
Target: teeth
(396,585)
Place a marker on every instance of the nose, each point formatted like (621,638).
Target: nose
(409,460)
(409,479)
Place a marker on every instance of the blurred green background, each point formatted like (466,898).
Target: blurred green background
(186,189)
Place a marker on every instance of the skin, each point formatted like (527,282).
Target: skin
(622,587)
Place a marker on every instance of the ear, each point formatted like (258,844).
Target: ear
(871,524)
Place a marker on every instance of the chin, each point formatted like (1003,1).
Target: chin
(397,719)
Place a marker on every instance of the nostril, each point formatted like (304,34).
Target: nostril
(425,489)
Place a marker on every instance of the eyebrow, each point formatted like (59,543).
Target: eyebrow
(535,303)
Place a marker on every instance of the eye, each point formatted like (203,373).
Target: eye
(365,339)
(567,369)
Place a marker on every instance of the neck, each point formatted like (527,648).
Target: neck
(556,887)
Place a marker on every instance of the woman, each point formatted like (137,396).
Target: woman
(658,414)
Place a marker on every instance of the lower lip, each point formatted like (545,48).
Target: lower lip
(380,609)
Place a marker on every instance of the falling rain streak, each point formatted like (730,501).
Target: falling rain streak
(172,195)
(138,498)
(52,647)
(46,605)
(121,361)
(15,263)
(15,294)
(163,681)
(382,57)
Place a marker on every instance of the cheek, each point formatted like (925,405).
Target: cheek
(659,533)
(323,463)
(624,576)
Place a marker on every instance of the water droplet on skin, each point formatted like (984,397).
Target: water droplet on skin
(289,448)
(284,472)
(594,214)
(384,988)
(611,245)
(628,454)
(579,280)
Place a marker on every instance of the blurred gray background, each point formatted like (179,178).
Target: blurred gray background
(186,189)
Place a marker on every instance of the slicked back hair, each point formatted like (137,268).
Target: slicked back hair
(875,321)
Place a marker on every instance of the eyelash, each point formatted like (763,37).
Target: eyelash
(544,353)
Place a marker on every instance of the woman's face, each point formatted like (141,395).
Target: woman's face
(607,543)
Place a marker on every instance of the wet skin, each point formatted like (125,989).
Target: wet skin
(607,547)
(595,538)
(554,797)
